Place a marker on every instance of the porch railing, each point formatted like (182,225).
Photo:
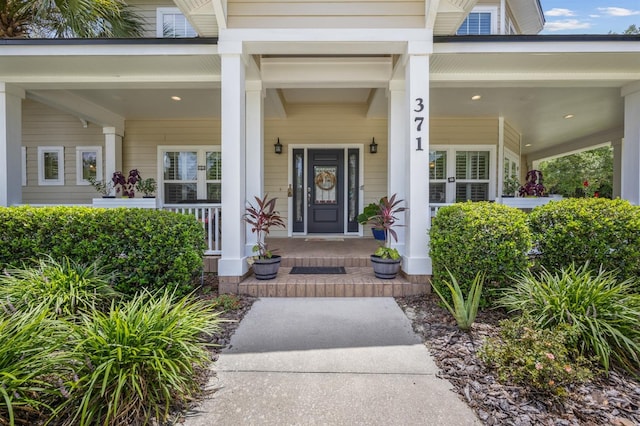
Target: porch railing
(209,215)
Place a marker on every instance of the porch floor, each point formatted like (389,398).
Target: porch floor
(352,253)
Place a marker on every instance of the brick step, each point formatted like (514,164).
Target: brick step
(348,262)
(357,282)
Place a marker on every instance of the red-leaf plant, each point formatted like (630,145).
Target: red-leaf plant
(262,217)
(386,220)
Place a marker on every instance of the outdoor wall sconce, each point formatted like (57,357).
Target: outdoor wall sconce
(277,147)
(373,146)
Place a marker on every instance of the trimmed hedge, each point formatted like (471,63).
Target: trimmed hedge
(473,237)
(144,248)
(602,232)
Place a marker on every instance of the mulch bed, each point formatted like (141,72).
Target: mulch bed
(613,400)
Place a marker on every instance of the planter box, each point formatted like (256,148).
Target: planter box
(528,202)
(139,203)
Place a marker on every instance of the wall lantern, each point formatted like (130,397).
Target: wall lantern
(373,146)
(277,147)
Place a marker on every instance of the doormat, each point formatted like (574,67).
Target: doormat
(318,270)
(324,239)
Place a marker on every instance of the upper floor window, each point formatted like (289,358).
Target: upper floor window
(171,23)
(482,21)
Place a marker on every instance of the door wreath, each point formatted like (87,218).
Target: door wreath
(325,181)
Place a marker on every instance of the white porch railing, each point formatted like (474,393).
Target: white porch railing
(209,215)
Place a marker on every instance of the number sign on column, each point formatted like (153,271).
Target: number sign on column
(418,119)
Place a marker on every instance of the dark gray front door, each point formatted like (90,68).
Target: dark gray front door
(325,198)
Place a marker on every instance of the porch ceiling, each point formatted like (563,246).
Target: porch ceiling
(532,86)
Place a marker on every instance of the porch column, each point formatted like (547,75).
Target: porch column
(255,149)
(397,179)
(112,153)
(232,264)
(630,178)
(416,260)
(617,166)
(10,141)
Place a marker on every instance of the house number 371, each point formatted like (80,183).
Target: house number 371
(419,120)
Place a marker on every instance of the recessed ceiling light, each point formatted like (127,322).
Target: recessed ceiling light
(476,97)
(568,116)
(527,144)
(176,98)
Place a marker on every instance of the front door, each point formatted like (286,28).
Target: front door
(325,198)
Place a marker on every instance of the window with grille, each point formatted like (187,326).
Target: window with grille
(468,176)
(191,174)
(481,21)
(171,23)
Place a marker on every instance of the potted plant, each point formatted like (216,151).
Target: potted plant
(124,184)
(510,186)
(147,187)
(262,217)
(386,260)
(370,211)
(104,187)
(533,186)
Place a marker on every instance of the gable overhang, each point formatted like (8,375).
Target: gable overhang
(528,15)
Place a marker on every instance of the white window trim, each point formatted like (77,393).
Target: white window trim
(451,167)
(46,149)
(512,157)
(493,10)
(200,150)
(160,12)
(23,152)
(81,150)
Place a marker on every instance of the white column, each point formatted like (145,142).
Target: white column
(255,149)
(398,157)
(416,260)
(617,166)
(10,142)
(233,263)
(112,153)
(630,177)
(500,160)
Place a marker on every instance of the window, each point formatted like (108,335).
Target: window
(50,165)
(461,174)
(190,174)
(88,164)
(23,152)
(171,23)
(481,21)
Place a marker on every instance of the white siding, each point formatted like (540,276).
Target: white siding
(147,9)
(464,131)
(318,14)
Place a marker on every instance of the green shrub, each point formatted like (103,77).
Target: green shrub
(139,360)
(149,249)
(603,311)
(31,365)
(64,288)
(226,302)
(543,360)
(603,232)
(468,238)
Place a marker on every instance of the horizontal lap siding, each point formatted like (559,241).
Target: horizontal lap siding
(317,14)
(142,138)
(463,131)
(45,126)
(147,10)
(511,139)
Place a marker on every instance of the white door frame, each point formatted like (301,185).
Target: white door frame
(306,148)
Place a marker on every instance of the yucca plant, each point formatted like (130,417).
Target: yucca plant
(139,360)
(64,288)
(464,310)
(31,366)
(604,311)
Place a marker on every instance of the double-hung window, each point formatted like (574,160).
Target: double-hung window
(481,21)
(171,23)
(50,165)
(461,173)
(190,173)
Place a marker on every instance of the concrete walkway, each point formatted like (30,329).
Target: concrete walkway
(328,361)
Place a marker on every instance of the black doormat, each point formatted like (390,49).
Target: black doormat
(318,270)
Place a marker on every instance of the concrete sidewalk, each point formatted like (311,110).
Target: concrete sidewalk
(328,361)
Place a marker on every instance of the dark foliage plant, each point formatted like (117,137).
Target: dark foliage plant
(262,217)
(533,186)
